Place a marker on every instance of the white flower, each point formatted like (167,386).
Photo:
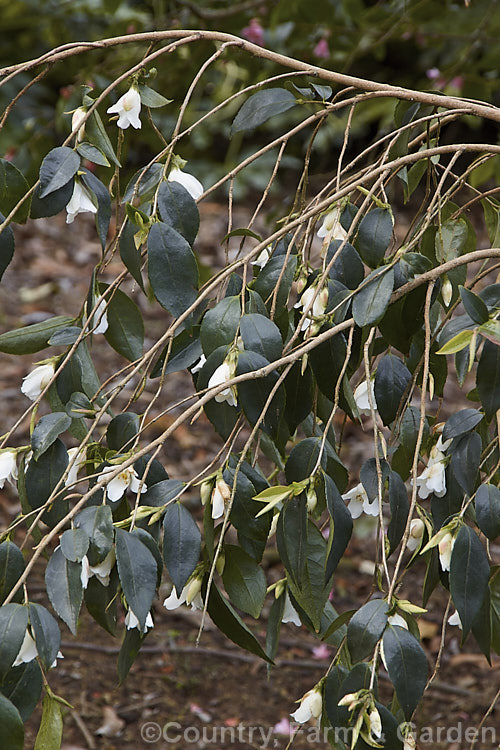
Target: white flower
(359,502)
(375,723)
(190,594)
(131,621)
(100,317)
(8,466)
(197,367)
(318,306)
(125,479)
(128,107)
(222,374)
(417,528)
(188,181)
(290,614)
(274,523)
(78,116)
(447,291)
(433,477)
(262,257)
(34,383)
(362,399)
(331,228)
(311,706)
(80,202)
(441,447)
(454,619)
(79,462)
(29,651)
(101,571)
(445,549)
(221,495)
(311,499)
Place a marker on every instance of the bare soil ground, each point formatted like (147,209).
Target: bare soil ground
(215,693)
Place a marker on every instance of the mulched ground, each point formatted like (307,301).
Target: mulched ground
(215,693)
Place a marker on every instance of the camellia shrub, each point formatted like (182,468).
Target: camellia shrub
(360,301)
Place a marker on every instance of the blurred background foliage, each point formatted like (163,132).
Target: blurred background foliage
(424,44)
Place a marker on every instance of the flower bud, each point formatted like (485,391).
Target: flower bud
(78,116)
(447,291)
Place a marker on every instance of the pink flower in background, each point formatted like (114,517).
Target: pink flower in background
(433,73)
(254,32)
(321,652)
(321,50)
(283,727)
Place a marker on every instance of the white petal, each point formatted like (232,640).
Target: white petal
(128,107)
(80,202)
(34,383)
(173,601)
(371,508)
(188,181)
(116,488)
(197,367)
(102,571)
(217,503)
(85,573)
(27,652)
(290,614)
(454,619)
(101,317)
(8,466)
(397,620)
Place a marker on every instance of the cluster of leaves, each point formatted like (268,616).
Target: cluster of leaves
(270,377)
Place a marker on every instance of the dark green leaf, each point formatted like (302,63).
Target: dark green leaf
(65,336)
(97,522)
(43,475)
(231,624)
(274,626)
(7,245)
(391,382)
(23,687)
(151,98)
(298,390)
(13,186)
(103,216)
(130,254)
(488,510)
(100,601)
(11,726)
(125,332)
(303,458)
(92,153)
(261,106)
(291,538)
(222,415)
(465,460)
(31,339)
(64,587)
(184,352)
(400,506)
(181,544)
(47,430)
(469,574)
(243,232)
(450,239)
(261,335)
(488,378)
(178,209)
(46,633)
(347,267)
(122,430)
(220,324)
(74,544)
(132,642)
(266,283)
(461,422)
(370,303)
(137,570)
(57,169)
(407,667)
(244,580)
(53,203)
(365,628)
(254,393)
(13,624)
(474,306)
(96,133)
(252,531)
(11,568)
(172,269)
(342,526)
(162,492)
(369,476)
(143,184)
(374,236)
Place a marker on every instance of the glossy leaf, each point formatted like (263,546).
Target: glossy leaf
(391,382)
(97,522)
(370,303)
(469,574)
(11,568)
(342,526)
(49,735)
(407,667)
(220,324)
(461,422)
(13,186)
(365,628)
(291,538)
(465,461)
(260,107)
(33,338)
(400,506)
(13,623)
(47,430)
(137,570)
(172,269)
(261,335)
(125,332)
(474,306)
(92,153)
(488,378)
(374,235)
(64,588)
(7,246)
(11,725)
(178,209)
(74,544)
(53,203)
(244,580)
(122,430)
(46,633)
(23,687)
(103,215)
(488,510)
(181,544)
(58,168)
